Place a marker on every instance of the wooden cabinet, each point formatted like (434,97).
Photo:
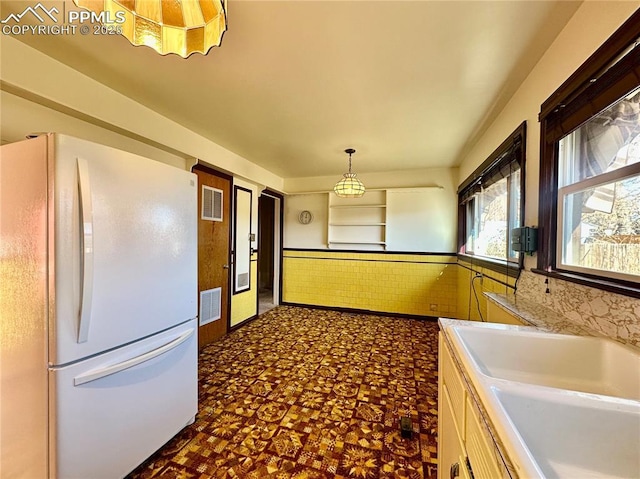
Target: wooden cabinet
(465,448)
(358,223)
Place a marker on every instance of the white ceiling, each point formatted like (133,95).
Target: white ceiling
(408,84)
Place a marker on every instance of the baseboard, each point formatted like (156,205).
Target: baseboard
(243,323)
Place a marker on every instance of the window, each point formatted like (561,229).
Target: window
(491,205)
(491,214)
(590,170)
(599,194)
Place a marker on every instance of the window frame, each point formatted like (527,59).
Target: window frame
(621,174)
(612,72)
(512,150)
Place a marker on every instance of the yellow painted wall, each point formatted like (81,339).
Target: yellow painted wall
(245,305)
(391,283)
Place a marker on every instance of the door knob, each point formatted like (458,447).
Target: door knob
(225,266)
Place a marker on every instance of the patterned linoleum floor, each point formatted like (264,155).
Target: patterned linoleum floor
(302,393)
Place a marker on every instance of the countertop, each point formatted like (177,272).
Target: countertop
(538,316)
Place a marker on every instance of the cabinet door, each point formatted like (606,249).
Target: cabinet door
(481,451)
(455,388)
(451,462)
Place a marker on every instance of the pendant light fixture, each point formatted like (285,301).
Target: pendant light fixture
(349,186)
(182,27)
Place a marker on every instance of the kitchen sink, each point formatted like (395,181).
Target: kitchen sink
(594,365)
(564,406)
(569,435)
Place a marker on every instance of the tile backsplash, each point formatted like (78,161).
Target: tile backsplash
(610,314)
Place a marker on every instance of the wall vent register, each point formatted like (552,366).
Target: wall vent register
(211,204)
(210,305)
(243,280)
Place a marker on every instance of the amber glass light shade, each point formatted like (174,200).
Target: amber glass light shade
(182,27)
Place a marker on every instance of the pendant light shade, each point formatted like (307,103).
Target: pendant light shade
(349,186)
(182,27)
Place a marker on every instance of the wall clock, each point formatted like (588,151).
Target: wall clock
(305,217)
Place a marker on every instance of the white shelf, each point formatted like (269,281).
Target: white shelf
(357,224)
(358,242)
(357,206)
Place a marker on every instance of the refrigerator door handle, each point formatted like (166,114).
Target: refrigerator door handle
(129,363)
(86,213)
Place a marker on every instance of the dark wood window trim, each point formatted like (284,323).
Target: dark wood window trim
(594,65)
(598,82)
(512,149)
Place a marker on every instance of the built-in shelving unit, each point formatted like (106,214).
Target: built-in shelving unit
(358,223)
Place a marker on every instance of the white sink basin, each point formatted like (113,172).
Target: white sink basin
(564,406)
(568,435)
(586,364)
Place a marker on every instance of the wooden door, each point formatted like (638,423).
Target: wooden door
(213,252)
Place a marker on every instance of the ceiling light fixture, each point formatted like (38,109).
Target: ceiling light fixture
(349,186)
(182,27)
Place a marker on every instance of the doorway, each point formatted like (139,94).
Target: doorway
(269,250)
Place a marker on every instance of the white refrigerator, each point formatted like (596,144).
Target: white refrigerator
(98,304)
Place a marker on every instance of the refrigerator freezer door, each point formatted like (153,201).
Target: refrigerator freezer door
(125,249)
(114,410)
